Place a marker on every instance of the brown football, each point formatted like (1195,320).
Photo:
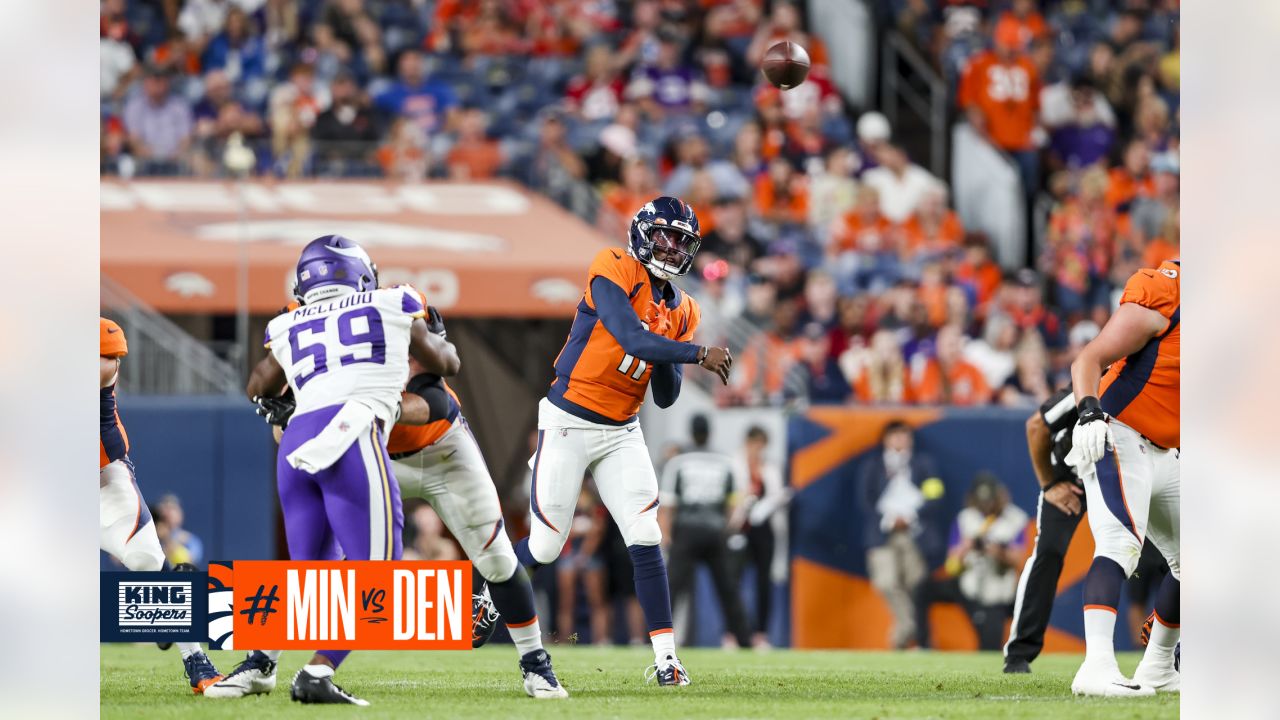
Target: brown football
(785,65)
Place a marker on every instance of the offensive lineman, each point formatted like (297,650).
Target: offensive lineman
(127,531)
(345,355)
(632,325)
(1126,449)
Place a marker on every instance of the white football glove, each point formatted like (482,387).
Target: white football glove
(1091,437)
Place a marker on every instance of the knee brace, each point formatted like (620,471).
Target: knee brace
(142,557)
(644,530)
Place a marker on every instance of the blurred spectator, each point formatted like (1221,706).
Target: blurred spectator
(429,539)
(294,107)
(863,229)
(1030,384)
(832,191)
(1150,213)
(732,238)
(345,134)
(236,50)
(1079,243)
(403,156)
(430,104)
(694,154)
(637,188)
(181,545)
(555,168)
(1132,179)
(597,93)
(700,491)
(617,145)
(978,272)
(760,376)
(825,383)
(878,373)
(994,353)
(987,547)
(581,561)
(218,117)
(934,230)
(760,519)
(782,194)
(117,62)
(873,133)
(159,124)
(1025,304)
(1000,92)
(900,183)
(667,85)
(948,378)
(1086,137)
(854,324)
(1023,21)
(200,20)
(746,155)
(474,155)
(900,494)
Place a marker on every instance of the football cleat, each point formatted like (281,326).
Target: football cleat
(1099,679)
(1163,679)
(255,675)
(539,679)
(668,672)
(1017,666)
(308,688)
(484,618)
(200,671)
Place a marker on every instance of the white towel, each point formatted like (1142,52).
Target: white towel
(323,450)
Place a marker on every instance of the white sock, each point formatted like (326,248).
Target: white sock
(188,649)
(1099,634)
(664,644)
(1160,647)
(272,655)
(319,671)
(526,637)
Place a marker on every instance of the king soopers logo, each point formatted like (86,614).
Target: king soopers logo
(151,604)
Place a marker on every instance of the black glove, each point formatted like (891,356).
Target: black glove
(276,410)
(435,323)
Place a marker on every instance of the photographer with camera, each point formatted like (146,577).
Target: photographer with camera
(988,542)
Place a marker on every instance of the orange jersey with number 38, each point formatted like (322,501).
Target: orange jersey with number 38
(593,372)
(1142,390)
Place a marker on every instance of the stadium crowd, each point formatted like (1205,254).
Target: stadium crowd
(858,282)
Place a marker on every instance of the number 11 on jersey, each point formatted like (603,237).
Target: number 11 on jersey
(628,361)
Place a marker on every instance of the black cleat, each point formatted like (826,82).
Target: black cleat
(539,678)
(484,618)
(1016,666)
(308,688)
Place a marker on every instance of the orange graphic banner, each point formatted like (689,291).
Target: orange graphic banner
(365,605)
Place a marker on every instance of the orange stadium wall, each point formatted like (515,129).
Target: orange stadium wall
(832,603)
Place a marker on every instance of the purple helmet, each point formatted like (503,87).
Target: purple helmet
(665,236)
(333,261)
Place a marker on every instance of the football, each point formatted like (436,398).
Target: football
(785,65)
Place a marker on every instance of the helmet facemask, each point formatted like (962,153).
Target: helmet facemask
(667,250)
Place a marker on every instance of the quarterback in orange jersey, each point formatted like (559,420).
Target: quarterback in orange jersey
(1126,450)
(127,531)
(632,325)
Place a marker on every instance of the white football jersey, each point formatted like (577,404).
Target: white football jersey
(354,347)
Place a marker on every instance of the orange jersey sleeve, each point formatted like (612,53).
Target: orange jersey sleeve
(1144,390)
(617,267)
(111,342)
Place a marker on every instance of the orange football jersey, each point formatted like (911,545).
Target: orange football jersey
(1142,390)
(595,378)
(113,443)
(412,438)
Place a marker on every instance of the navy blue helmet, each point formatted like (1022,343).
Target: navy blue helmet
(664,237)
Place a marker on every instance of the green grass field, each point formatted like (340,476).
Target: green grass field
(141,681)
